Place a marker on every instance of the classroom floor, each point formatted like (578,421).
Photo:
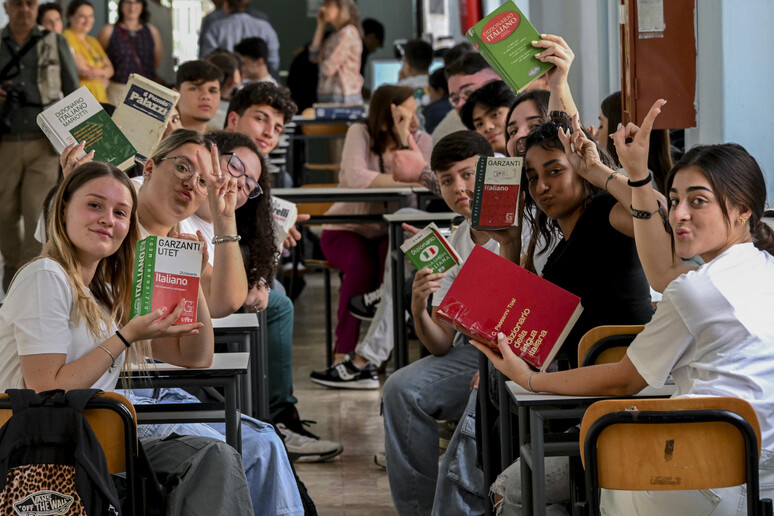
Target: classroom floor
(350,484)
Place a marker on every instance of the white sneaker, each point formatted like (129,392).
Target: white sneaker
(303,448)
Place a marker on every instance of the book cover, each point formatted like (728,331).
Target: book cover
(495,200)
(79,117)
(504,38)
(334,111)
(535,314)
(429,248)
(285,214)
(144,112)
(166,270)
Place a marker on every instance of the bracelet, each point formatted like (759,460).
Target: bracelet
(112,358)
(529,382)
(225,239)
(611,176)
(641,182)
(645,214)
(126,342)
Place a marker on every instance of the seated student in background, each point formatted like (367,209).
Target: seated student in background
(438,386)
(254,224)
(438,93)
(415,64)
(485,112)
(199,85)
(712,330)
(94,67)
(64,324)
(230,79)
(373,157)
(253,53)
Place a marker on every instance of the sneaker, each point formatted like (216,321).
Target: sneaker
(346,375)
(303,448)
(303,445)
(364,307)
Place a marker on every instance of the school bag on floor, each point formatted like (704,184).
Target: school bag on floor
(51,462)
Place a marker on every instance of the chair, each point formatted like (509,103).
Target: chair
(114,421)
(606,344)
(671,444)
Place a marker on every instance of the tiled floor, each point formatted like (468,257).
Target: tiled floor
(350,484)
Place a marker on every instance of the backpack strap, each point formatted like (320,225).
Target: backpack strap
(77,399)
(24,398)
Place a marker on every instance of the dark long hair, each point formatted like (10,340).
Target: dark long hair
(255,222)
(144,16)
(545,229)
(736,179)
(380,124)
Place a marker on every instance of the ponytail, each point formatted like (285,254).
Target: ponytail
(763,236)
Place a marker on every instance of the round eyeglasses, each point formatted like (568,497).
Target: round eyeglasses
(237,169)
(183,170)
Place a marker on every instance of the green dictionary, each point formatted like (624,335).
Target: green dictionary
(504,38)
(429,248)
(79,117)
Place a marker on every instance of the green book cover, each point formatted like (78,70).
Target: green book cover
(79,117)
(429,248)
(142,281)
(504,38)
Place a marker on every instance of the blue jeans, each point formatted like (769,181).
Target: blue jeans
(460,488)
(414,397)
(279,336)
(273,487)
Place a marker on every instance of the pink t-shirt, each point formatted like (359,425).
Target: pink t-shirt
(340,64)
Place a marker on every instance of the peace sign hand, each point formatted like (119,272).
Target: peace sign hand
(581,151)
(634,155)
(221,188)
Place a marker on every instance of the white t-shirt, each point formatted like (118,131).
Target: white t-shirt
(713,332)
(195,223)
(36,318)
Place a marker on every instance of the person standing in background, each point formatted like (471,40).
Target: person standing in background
(94,67)
(339,78)
(30,164)
(50,17)
(133,45)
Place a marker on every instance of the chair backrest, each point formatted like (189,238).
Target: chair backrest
(113,420)
(670,444)
(606,344)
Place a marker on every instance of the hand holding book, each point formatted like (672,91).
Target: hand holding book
(555,50)
(506,361)
(198,237)
(159,323)
(69,159)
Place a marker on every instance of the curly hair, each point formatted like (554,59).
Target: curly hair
(255,221)
(263,94)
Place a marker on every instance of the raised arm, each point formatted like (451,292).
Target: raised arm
(556,51)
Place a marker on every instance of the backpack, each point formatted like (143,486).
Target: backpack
(51,462)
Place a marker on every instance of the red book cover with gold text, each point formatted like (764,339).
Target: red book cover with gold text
(495,200)
(535,314)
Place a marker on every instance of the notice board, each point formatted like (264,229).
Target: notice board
(658,60)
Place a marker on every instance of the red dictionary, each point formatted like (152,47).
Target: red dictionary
(492,295)
(495,198)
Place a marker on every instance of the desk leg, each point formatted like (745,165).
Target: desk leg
(399,322)
(259,362)
(525,461)
(538,463)
(506,422)
(232,416)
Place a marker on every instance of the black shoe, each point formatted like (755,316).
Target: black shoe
(346,375)
(364,307)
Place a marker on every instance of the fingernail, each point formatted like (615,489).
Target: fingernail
(83,142)
(543,35)
(163,309)
(610,136)
(537,56)
(500,335)
(534,42)
(619,126)
(572,147)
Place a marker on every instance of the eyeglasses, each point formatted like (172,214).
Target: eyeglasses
(237,169)
(183,170)
(456,99)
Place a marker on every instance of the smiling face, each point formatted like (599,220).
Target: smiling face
(198,101)
(173,199)
(252,169)
(524,118)
(697,220)
(456,182)
(554,186)
(461,86)
(97,218)
(82,20)
(490,123)
(52,21)
(261,122)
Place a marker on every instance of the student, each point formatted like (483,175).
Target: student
(485,112)
(438,92)
(199,85)
(230,79)
(373,157)
(710,331)
(438,386)
(338,58)
(254,221)
(373,39)
(260,110)
(528,111)
(65,324)
(253,53)
(415,64)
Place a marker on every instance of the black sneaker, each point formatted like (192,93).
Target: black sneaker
(346,375)
(364,307)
